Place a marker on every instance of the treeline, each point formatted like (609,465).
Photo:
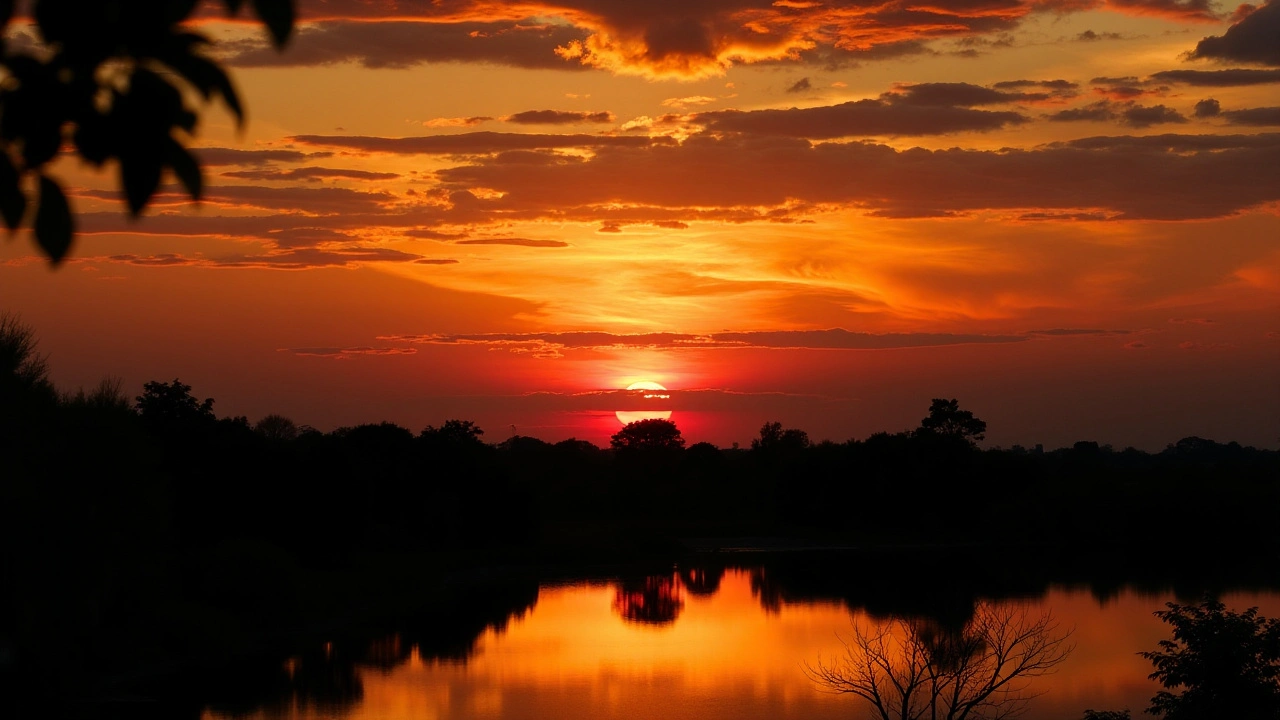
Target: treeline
(164,462)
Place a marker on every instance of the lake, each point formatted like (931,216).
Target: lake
(696,643)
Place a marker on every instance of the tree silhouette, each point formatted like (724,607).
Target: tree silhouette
(171,405)
(454,433)
(775,438)
(104,81)
(1227,664)
(947,420)
(651,434)
(25,390)
(653,601)
(22,369)
(980,673)
(701,580)
(276,428)
(109,396)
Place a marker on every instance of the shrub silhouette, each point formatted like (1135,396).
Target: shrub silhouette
(1225,664)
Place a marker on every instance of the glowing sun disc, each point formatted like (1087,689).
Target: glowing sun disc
(645,385)
(626,417)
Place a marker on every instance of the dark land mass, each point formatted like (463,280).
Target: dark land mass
(148,545)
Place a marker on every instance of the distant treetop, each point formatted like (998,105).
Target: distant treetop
(168,405)
(652,434)
(773,438)
(947,420)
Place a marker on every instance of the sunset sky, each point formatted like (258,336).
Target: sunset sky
(1064,213)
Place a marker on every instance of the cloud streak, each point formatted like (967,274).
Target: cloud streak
(671,185)
(559,117)
(552,345)
(518,242)
(401,44)
(346,353)
(474,142)
(859,118)
(310,174)
(1234,77)
(284,259)
(1138,178)
(1258,117)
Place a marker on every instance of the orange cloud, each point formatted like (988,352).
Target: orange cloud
(287,259)
(515,241)
(660,38)
(554,344)
(641,181)
(349,352)
(475,142)
(1132,177)
(911,109)
(310,174)
(559,117)
(451,122)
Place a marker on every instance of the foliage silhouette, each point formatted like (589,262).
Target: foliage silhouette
(172,406)
(453,433)
(702,580)
(648,435)
(775,438)
(277,428)
(981,672)
(655,600)
(23,371)
(1225,664)
(947,420)
(108,396)
(104,80)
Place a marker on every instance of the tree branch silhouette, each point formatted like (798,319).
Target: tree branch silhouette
(909,670)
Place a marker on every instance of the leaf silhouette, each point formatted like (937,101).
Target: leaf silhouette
(54,226)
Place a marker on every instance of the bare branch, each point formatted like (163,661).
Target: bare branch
(909,670)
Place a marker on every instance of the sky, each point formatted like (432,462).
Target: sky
(1063,213)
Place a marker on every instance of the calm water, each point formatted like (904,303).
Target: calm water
(706,648)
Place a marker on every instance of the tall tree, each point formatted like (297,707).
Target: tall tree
(947,420)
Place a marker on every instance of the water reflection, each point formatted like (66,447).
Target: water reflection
(702,580)
(333,680)
(324,681)
(654,600)
(730,642)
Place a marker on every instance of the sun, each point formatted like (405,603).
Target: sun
(648,393)
(626,417)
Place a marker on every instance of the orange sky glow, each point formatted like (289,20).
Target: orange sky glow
(1065,214)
